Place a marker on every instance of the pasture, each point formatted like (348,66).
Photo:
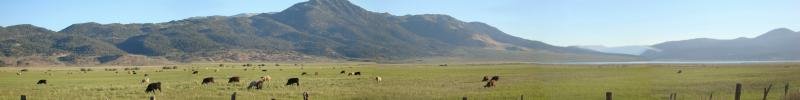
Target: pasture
(408,82)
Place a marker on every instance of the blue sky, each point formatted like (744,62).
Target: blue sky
(558,22)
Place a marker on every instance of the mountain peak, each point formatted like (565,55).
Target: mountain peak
(777,33)
(336,6)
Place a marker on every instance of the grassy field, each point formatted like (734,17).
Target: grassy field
(411,82)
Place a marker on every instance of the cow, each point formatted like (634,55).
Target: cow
(495,78)
(485,78)
(264,70)
(342,72)
(145,75)
(234,79)
(195,72)
(357,73)
(146,80)
(42,82)
(490,83)
(349,74)
(295,81)
(208,80)
(19,74)
(152,87)
(258,84)
(216,70)
(266,78)
(680,71)
(378,79)
(316,73)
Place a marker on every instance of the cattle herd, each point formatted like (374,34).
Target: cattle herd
(255,84)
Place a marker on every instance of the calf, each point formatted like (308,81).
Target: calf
(208,80)
(42,82)
(146,80)
(266,78)
(295,81)
(152,87)
(234,79)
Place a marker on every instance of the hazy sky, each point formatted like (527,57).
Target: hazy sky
(558,22)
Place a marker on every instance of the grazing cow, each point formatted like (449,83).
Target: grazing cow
(349,74)
(134,72)
(258,84)
(146,80)
(490,83)
(680,71)
(342,72)
(495,78)
(234,79)
(208,80)
(152,87)
(378,78)
(357,73)
(304,73)
(195,72)
(266,78)
(42,82)
(295,81)
(146,75)
(485,78)
(264,70)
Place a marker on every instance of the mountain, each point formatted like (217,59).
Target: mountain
(312,30)
(778,44)
(631,50)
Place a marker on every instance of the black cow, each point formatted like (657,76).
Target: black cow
(485,78)
(152,87)
(234,79)
(495,78)
(208,80)
(490,83)
(195,72)
(295,81)
(256,84)
(357,73)
(304,73)
(42,82)
(342,72)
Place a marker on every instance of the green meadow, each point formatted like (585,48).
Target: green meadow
(409,82)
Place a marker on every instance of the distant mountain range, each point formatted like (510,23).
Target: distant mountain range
(778,44)
(631,50)
(313,30)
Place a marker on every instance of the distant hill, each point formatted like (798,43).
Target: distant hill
(631,50)
(778,44)
(316,29)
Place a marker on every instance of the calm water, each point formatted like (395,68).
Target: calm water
(677,62)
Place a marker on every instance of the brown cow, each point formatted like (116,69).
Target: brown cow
(208,80)
(234,79)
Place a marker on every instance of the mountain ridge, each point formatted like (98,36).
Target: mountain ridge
(777,44)
(316,29)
